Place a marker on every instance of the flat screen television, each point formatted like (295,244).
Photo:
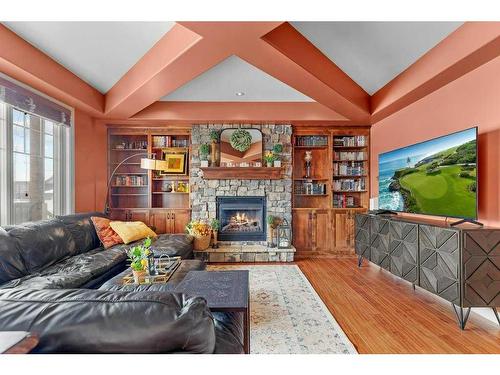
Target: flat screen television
(435,177)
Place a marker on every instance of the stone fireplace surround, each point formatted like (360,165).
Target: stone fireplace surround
(278,193)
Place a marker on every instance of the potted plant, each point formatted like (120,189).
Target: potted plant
(272,224)
(138,256)
(214,137)
(269,158)
(277,150)
(215,224)
(202,233)
(204,151)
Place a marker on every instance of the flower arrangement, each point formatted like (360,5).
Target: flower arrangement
(269,157)
(201,232)
(204,151)
(138,256)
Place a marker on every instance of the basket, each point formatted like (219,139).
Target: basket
(202,242)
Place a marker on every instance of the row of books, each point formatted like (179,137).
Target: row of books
(350,155)
(169,141)
(350,141)
(348,169)
(344,201)
(311,140)
(308,188)
(130,180)
(349,185)
(135,145)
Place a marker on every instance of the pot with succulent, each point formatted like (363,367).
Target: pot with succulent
(204,151)
(269,158)
(202,233)
(272,224)
(215,224)
(214,137)
(138,256)
(277,150)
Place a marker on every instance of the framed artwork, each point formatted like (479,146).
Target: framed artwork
(174,163)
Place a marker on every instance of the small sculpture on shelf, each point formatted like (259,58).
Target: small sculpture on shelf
(308,159)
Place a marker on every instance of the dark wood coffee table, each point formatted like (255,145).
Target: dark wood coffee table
(225,291)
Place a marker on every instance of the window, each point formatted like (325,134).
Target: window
(34,161)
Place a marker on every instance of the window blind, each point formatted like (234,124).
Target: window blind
(26,100)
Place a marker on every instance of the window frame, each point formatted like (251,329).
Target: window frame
(64,166)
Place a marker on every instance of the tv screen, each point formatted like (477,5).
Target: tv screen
(435,177)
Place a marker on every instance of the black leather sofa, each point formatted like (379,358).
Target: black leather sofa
(49,275)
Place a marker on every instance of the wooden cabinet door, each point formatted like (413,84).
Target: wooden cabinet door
(344,230)
(139,215)
(302,229)
(321,230)
(159,221)
(179,220)
(119,215)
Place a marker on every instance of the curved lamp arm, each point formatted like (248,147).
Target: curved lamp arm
(107,205)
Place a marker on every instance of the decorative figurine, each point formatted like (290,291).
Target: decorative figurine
(308,159)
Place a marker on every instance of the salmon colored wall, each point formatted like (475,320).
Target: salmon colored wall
(468,101)
(90,163)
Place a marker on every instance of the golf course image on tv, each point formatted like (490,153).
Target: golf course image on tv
(436,177)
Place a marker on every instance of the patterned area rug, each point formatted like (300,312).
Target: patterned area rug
(287,315)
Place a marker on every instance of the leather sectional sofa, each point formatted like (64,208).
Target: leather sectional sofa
(50,275)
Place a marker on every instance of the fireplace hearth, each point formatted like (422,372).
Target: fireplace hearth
(242,218)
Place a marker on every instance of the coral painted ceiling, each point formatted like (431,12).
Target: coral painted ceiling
(333,71)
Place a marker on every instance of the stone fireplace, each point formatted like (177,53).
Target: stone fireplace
(242,218)
(274,195)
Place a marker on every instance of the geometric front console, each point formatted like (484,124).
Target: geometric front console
(460,265)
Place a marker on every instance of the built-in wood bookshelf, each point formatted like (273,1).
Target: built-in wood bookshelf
(324,204)
(155,197)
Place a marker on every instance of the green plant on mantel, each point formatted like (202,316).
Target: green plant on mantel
(278,148)
(204,151)
(214,135)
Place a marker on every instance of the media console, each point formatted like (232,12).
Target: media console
(461,265)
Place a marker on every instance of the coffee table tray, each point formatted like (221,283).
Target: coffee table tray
(161,278)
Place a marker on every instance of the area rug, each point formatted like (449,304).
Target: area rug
(287,315)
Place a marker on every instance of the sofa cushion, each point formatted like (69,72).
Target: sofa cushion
(130,231)
(81,228)
(41,243)
(106,234)
(173,245)
(97,321)
(11,262)
(228,332)
(71,272)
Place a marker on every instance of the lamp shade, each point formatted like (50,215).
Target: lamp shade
(148,163)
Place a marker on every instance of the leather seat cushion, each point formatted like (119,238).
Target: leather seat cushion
(115,283)
(228,332)
(41,243)
(173,245)
(11,262)
(71,272)
(98,321)
(82,230)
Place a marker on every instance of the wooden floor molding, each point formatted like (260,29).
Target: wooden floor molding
(383,314)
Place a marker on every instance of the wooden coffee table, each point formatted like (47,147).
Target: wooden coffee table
(225,291)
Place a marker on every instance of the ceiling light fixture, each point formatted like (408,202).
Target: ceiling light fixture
(240,93)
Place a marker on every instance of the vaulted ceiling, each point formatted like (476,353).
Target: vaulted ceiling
(333,71)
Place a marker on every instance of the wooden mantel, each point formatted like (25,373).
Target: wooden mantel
(241,173)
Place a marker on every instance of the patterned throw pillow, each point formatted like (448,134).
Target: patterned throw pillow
(105,233)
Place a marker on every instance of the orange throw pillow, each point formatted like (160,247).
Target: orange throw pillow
(105,233)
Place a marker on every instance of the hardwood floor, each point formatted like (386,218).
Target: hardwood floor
(383,314)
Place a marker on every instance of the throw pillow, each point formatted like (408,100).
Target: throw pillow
(130,231)
(106,234)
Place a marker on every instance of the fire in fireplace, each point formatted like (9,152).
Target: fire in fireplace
(241,218)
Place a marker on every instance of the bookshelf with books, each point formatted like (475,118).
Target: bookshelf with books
(158,198)
(325,201)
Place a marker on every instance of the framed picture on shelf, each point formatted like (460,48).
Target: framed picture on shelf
(174,164)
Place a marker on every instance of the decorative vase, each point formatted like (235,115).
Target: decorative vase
(277,163)
(204,163)
(138,275)
(215,245)
(270,236)
(213,155)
